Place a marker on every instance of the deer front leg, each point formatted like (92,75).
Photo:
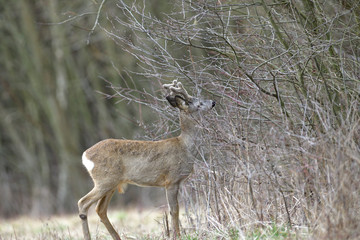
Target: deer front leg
(172,194)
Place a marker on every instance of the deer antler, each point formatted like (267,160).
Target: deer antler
(168,86)
(177,88)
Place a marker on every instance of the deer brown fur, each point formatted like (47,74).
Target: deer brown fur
(113,163)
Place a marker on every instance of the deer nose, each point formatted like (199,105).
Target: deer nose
(213,104)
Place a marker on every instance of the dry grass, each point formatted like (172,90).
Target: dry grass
(132,224)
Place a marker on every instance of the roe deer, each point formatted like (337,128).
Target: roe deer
(113,163)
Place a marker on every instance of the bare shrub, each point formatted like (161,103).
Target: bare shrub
(283,146)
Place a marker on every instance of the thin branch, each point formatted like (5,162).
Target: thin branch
(96,21)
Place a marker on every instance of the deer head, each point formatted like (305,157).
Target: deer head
(179,98)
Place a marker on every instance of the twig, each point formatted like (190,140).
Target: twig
(96,21)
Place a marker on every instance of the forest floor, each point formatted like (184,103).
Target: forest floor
(131,223)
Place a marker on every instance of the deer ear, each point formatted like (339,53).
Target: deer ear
(171,100)
(177,101)
(181,103)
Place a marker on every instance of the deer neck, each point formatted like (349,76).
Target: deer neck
(189,130)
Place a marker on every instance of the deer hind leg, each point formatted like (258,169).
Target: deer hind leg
(101,209)
(172,194)
(85,203)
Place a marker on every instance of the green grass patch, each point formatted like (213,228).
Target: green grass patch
(120,215)
(273,232)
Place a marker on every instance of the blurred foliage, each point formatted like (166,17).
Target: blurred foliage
(52,69)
